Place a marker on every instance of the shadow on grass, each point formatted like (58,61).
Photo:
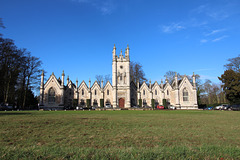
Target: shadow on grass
(13,113)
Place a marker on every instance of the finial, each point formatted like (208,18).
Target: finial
(42,72)
(175,74)
(63,73)
(52,73)
(121,51)
(127,46)
(76,80)
(193,74)
(161,81)
(89,79)
(68,77)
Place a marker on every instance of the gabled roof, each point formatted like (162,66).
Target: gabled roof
(71,84)
(166,85)
(107,84)
(185,79)
(144,85)
(52,77)
(96,85)
(83,84)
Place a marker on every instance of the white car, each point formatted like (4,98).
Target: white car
(221,107)
(108,106)
(172,107)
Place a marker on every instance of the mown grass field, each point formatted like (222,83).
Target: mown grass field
(120,135)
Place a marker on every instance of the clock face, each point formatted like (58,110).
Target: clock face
(121,67)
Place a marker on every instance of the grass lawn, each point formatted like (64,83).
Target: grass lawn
(160,134)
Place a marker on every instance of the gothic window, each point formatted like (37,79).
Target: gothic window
(70,92)
(143,92)
(95,92)
(185,95)
(82,92)
(121,77)
(107,92)
(167,92)
(155,92)
(51,96)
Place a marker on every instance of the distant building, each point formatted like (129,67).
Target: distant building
(54,94)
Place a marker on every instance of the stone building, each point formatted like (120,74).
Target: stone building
(54,94)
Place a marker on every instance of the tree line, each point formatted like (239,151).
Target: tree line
(20,74)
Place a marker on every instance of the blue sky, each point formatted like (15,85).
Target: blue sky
(77,36)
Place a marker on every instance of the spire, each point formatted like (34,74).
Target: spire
(121,53)
(138,84)
(194,81)
(62,84)
(42,79)
(114,52)
(176,80)
(76,83)
(166,81)
(150,84)
(127,50)
(67,79)
(102,83)
(89,84)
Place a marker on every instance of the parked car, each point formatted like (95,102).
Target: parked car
(160,107)
(235,107)
(135,107)
(220,107)
(209,108)
(172,107)
(108,106)
(227,107)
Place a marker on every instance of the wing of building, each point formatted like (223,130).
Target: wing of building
(122,93)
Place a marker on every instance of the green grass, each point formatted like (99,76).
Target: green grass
(120,135)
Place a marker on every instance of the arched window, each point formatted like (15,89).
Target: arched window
(167,92)
(155,92)
(82,91)
(51,96)
(185,94)
(107,92)
(95,92)
(143,92)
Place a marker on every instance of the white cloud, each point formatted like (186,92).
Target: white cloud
(219,38)
(204,41)
(215,32)
(106,7)
(172,28)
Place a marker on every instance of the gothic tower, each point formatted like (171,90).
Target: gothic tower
(121,79)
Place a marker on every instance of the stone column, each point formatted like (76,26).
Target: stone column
(62,90)
(42,89)
(176,92)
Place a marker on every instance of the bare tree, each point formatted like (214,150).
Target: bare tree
(170,75)
(137,73)
(104,78)
(234,64)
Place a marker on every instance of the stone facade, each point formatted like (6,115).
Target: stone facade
(121,93)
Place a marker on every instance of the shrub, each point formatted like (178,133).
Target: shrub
(140,102)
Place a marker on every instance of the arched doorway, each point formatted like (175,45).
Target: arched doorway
(121,102)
